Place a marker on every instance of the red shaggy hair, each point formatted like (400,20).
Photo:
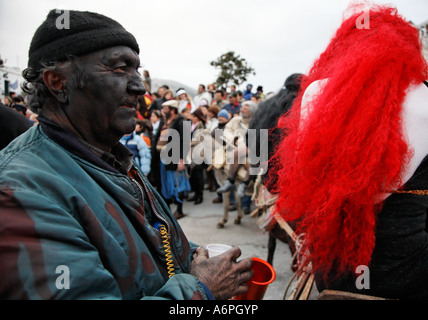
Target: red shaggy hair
(352,148)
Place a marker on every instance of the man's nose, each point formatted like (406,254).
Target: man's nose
(136,87)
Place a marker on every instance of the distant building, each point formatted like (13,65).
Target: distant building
(10,79)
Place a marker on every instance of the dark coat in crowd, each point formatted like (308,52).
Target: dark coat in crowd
(12,124)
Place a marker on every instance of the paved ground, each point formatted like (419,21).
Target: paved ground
(199,226)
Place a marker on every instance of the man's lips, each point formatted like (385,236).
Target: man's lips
(129,105)
(129,102)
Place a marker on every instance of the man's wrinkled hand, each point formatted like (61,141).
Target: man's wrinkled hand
(223,275)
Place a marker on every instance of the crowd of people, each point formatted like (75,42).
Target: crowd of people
(160,110)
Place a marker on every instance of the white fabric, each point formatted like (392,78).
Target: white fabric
(180,92)
(201,96)
(415,122)
(415,126)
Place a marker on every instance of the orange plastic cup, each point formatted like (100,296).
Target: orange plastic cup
(264,275)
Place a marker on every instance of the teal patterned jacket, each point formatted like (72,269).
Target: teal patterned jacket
(72,230)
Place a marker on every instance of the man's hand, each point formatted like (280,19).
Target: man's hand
(222,274)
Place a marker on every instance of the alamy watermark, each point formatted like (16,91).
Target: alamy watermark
(63,20)
(363,279)
(63,280)
(363,21)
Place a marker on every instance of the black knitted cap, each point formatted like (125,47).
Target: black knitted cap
(88,32)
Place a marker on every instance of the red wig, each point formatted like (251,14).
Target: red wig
(351,149)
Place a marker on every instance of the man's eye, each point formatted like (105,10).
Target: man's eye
(119,69)
(123,69)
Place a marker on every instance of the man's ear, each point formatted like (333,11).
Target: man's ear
(55,82)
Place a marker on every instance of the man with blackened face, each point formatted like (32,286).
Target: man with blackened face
(82,221)
(101,108)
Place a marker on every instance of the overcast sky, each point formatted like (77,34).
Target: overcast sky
(178,39)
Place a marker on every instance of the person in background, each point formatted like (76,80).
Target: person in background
(219,98)
(240,97)
(196,169)
(143,109)
(204,108)
(140,150)
(223,118)
(144,129)
(212,121)
(20,108)
(256,98)
(184,101)
(169,95)
(247,93)
(173,172)
(160,97)
(17,99)
(235,137)
(147,79)
(187,115)
(202,94)
(259,91)
(7,101)
(155,119)
(211,88)
(233,107)
(211,125)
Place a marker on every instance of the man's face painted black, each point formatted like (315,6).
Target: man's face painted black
(103,109)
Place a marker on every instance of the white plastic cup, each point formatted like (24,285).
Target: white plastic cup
(217,249)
